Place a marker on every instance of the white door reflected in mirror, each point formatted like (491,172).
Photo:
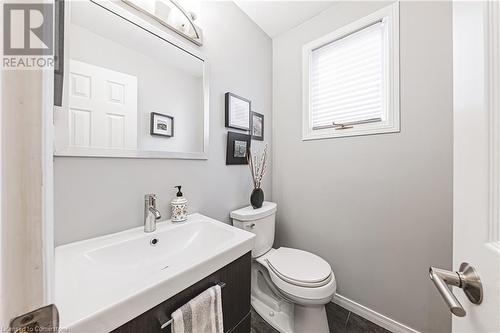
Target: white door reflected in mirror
(102,108)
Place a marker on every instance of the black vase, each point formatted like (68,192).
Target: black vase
(257,198)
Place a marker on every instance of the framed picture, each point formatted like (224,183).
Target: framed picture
(238,146)
(161,125)
(257,126)
(237,112)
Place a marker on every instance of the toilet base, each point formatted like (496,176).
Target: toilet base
(281,314)
(294,318)
(309,319)
(281,319)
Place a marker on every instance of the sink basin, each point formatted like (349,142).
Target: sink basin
(102,283)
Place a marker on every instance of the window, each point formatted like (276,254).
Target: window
(351,79)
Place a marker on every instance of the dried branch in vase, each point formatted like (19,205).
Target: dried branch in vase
(258,165)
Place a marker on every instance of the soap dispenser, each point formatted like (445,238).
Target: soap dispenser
(179,207)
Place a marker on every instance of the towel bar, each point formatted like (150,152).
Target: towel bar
(165,321)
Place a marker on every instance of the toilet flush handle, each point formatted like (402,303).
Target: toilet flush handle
(250,226)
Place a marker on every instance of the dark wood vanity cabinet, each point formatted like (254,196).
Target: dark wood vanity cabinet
(235,301)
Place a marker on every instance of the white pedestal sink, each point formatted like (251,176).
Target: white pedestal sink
(102,283)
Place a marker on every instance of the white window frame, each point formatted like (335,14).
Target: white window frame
(391,119)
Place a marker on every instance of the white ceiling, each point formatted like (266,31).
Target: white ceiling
(276,17)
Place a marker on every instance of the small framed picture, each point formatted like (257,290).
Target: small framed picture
(161,125)
(238,146)
(237,112)
(257,126)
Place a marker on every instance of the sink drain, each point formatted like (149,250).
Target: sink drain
(154,241)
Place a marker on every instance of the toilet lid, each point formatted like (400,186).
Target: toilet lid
(300,267)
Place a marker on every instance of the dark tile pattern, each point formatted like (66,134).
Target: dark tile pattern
(337,317)
(340,320)
(259,325)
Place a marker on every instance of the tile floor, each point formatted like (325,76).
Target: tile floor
(340,320)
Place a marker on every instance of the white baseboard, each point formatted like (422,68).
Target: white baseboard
(373,316)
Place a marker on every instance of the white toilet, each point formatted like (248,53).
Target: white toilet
(290,287)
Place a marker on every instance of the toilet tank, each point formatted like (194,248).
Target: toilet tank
(261,222)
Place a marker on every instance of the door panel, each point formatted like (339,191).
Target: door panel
(476,163)
(102,107)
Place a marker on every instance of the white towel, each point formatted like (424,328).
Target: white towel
(202,314)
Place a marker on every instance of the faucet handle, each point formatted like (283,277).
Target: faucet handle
(150,200)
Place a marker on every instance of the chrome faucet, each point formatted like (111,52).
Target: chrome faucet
(151,214)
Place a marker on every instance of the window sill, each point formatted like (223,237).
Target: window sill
(331,133)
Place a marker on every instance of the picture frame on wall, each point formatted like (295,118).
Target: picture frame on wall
(161,125)
(238,147)
(237,110)
(257,126)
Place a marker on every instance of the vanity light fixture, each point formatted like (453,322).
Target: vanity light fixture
(167,13)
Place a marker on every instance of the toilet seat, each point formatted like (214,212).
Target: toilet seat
(299,267)
(299,275)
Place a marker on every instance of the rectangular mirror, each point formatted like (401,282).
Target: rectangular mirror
(127,85)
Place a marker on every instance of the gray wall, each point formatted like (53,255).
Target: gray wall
(378,208)
(96,196)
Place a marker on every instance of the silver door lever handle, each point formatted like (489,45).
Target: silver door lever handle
(466,278)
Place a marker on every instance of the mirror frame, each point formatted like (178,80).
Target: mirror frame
(61,146)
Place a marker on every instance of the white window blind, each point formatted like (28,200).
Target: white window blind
(347,79)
